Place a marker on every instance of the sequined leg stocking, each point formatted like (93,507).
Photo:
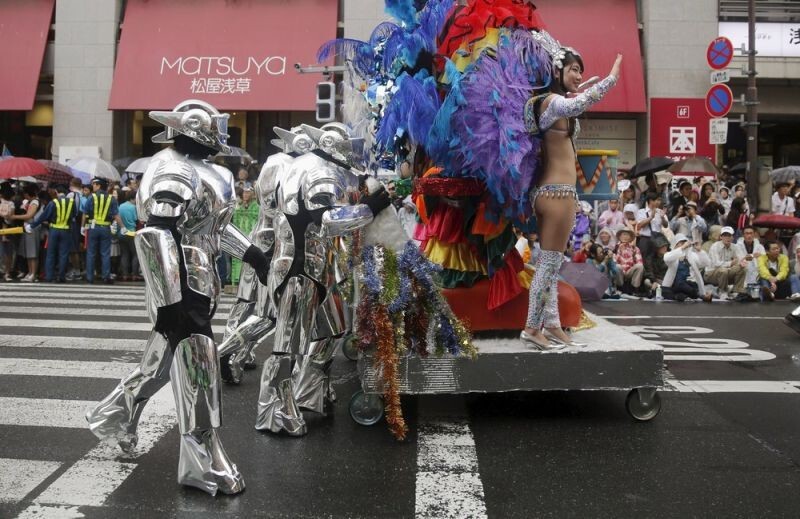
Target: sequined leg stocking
(544,290)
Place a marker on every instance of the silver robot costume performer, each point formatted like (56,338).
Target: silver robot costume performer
(304,274)
(187,204)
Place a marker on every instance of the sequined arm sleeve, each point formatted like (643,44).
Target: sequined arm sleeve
(574,106)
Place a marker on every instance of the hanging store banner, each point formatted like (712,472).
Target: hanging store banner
(234,55)
(679,128)
(772,39)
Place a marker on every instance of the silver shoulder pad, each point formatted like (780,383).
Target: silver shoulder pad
(167,188)
(290,186)
(276,167)
(322,187)
(158,253)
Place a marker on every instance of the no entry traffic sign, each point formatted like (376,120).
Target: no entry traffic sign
(719,53)
(719,100)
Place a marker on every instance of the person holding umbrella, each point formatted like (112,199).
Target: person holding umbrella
(101,209)
(60,212)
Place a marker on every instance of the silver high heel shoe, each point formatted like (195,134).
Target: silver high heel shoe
(530,340)
(571,342)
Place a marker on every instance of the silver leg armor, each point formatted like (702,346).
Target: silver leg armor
(277,408)
(311,376)
(543,302)
(244,331)
(195,381)
(116,417)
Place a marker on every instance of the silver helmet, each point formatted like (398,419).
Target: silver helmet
(197,120)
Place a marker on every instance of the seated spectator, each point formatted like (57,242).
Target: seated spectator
(679,198)
(739,216)
(782,203)
(689,223)
(655,268)
(629,261)
(794,279)
(581,255)
(713,237)
(773,270)
(606,238)
(611,217)
(629,211)
(749,251)
(725,268)
(725,200)
(603,260)
(682,263)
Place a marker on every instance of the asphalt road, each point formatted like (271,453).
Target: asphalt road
(724,445)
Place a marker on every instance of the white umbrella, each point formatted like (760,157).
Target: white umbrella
(139,166)
(95,167)
(785,174)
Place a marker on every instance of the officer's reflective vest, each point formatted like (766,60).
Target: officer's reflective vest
(102,203)
(63,212)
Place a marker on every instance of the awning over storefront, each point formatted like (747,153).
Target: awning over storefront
(599,29)
(24,25)
(236,55)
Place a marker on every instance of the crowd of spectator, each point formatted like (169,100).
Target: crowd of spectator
(687,239)
(34,209)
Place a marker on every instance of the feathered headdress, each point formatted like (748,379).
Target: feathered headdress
(556,51)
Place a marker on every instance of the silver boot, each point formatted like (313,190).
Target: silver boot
(277,409)
(203,462)
(238,345)
(116,418)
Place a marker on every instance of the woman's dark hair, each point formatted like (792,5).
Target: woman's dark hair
(31,190)
(596,251)
(737,209)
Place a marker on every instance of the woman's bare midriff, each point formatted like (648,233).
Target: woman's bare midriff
(560,156)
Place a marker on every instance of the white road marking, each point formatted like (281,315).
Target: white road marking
(44,412)
(65,368)
(86,483)
(72,343)
(733,386)
(688,317)
(119,306)
(93,325)
(141,312)
(15,484)
(103,469)
(448,483)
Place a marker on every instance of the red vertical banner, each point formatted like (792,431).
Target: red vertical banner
(679,128)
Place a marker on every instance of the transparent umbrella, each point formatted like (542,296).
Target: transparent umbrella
(95,167)
(785,174)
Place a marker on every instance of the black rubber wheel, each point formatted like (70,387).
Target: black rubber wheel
(366,409)
(643,404)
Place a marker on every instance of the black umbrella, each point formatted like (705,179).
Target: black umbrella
(650,165)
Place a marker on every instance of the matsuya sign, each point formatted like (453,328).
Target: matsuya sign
(235,55)
(221,74)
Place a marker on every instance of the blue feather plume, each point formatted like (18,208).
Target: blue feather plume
(402,10)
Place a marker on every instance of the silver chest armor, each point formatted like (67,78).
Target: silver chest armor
(208,200)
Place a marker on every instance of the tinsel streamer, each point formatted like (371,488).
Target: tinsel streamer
(367,335)
(391,279)
(386,361)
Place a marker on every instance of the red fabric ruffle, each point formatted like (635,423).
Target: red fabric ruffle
(469,23)
(504,284)
(446,224)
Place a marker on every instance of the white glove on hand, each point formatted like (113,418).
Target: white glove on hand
(28,228)
(123,231)
(83,230)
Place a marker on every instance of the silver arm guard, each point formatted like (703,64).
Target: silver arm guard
(167,189)
(158,254)
(234,242)
(343,220)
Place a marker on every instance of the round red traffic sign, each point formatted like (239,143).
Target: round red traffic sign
(719,100)
(719,53)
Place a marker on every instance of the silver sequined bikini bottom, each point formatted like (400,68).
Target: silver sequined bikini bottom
(554,191)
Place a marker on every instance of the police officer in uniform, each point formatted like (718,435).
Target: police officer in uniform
(60,212)
(101,209)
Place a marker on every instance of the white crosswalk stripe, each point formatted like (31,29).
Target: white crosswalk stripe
(94,335)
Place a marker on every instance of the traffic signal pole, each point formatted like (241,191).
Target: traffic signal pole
(751,103)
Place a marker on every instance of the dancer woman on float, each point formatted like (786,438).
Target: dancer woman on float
(552,117)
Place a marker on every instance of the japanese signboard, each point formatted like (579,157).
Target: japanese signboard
(772,39)
(679,128)
(718,131)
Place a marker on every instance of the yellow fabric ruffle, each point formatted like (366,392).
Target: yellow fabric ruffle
(466,55)
(455,256)
(525,276)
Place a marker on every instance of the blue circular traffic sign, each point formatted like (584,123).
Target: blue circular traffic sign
(719,100)
(719,53)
